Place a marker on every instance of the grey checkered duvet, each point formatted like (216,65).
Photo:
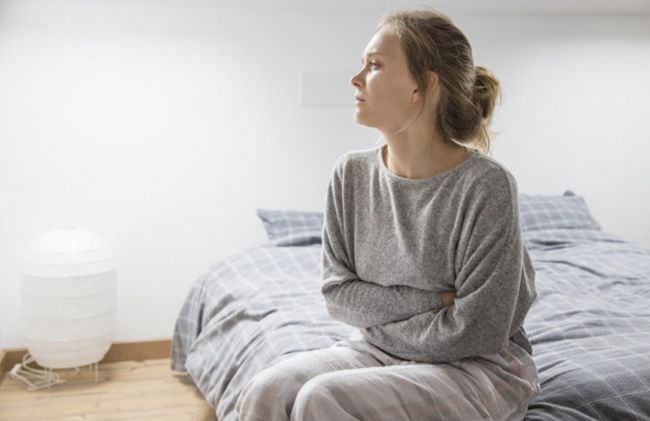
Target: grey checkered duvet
(590,326)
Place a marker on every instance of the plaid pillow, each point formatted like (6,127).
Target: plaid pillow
(570,211)
(292,227)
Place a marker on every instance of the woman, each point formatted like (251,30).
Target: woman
(422,252)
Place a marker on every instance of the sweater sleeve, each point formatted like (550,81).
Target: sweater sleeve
(349,299)
(494,286)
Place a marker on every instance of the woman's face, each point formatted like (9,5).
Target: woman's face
(384,83)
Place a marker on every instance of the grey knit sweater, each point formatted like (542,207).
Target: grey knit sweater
(392,244)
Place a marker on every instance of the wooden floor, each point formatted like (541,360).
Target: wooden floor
(128,390)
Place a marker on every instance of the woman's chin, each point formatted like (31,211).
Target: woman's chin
(365,123)
(358,117)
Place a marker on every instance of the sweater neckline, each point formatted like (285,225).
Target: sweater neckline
(427,180)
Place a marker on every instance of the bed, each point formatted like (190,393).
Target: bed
(589,327)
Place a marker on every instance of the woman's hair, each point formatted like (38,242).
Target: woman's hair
(468,93)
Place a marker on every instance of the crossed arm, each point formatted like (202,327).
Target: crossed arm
(364,304)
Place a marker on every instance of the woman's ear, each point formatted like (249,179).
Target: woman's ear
(415,96)
(432,89)
(433,82)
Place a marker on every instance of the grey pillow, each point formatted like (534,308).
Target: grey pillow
(292,227)
(569,211)
(537,212)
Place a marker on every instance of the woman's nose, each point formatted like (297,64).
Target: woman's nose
(354,80)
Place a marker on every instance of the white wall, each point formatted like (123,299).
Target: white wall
(161,126)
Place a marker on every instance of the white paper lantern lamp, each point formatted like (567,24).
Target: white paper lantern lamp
(69,301)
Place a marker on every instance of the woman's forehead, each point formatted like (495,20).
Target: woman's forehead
(383,43)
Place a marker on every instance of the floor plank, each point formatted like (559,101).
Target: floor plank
(127,390)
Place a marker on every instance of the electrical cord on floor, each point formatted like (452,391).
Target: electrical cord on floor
(34,378)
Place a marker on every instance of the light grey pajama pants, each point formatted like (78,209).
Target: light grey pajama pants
(354,380)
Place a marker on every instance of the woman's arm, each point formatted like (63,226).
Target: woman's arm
(447,298)
(364,304)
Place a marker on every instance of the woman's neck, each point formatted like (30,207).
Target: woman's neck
(422,159)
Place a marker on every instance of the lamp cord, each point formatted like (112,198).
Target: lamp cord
(34,378)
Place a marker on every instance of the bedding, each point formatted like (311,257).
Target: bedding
(292,227)
(589,327)
(570,211)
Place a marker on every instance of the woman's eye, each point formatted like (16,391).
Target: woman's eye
(373,64)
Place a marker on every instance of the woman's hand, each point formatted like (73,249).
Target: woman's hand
(448,298)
